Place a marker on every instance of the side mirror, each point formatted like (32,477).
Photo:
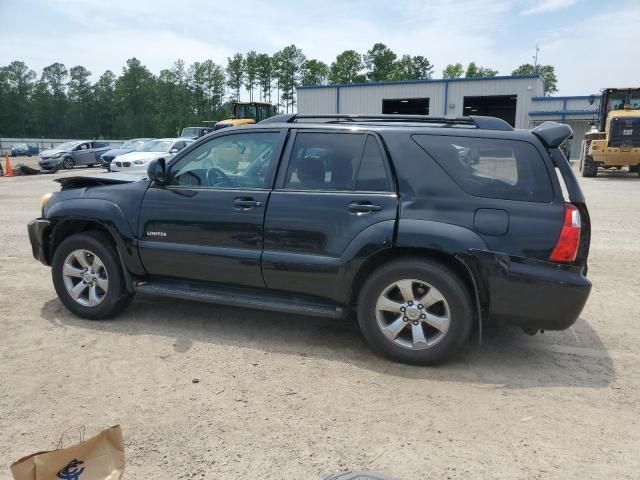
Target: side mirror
(592,99)
(174,150)
(156,171)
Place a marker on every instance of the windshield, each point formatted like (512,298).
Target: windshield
(20,145)
(617,100)
(66,146)
(156,146)
(190,132)
(133,144)
(245,111)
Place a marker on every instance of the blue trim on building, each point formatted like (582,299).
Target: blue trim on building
(550,99)
(405,82)
(540,113)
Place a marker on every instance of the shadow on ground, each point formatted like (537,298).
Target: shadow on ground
(508,357)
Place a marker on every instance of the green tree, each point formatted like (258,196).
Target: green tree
(235,74)
(453,70)
(380,62)
(264,75)
(55,76)
(474,71)
(314,72)
(347,68)
(547,72)
(250,72)
(104,104)
(412,68)
(81,119)
(18,80)
(289,63)
(135,96)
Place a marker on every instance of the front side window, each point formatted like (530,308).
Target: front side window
(491,168)
(243,160)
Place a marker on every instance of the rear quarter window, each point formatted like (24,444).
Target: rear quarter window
(491,168)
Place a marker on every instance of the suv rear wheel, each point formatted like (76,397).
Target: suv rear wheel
(415,311)
(87,276)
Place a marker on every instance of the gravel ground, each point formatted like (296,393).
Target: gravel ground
(283,396)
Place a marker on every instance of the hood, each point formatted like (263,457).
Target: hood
(115,152)
(130,157)
(48,153)
(96,180)
(236,121)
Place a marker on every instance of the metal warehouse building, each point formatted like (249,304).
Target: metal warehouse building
(517,99)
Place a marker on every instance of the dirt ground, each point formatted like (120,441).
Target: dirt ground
(283,396)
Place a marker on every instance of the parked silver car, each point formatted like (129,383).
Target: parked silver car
(70,154)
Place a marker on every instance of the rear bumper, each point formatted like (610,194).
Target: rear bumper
(37,229)
(531,293)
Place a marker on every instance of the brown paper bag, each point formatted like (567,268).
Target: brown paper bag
(99,458)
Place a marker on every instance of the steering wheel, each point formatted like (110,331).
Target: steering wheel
(215,176)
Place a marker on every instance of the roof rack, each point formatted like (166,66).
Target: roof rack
(486,123)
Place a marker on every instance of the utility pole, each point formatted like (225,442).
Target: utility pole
(535,59)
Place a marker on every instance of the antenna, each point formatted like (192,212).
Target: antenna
(535,59)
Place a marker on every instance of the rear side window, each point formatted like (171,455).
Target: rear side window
(491,168)
(337,161)
(372,175)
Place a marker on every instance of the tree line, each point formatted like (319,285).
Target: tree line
(64,103)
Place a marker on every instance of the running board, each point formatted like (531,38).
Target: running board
(243,297)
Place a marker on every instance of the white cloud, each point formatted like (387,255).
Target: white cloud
(546,6)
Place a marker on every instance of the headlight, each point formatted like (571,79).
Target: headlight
(56,155)
(43,201)
(138,162)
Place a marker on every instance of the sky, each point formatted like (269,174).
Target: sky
(591,47)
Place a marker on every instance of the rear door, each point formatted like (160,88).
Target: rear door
(207,223)
(334,187)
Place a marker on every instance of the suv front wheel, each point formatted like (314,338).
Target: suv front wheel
(87,276)
(415,311)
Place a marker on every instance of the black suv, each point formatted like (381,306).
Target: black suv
(424,226)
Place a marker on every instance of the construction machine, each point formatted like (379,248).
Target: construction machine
(246,113)
(614,139)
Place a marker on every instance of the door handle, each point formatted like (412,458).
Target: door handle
(363,207)
(245,203)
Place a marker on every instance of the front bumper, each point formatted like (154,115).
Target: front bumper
(50,163)
(532,293)
(38,236)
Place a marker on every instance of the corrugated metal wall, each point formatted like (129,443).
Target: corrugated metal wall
(368,98)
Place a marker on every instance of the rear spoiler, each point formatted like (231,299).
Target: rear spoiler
(552,134)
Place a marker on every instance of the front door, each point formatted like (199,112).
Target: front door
(336,186)
(206,223)
(84,154)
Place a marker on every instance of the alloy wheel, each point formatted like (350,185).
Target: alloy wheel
(413,314)
(85,277)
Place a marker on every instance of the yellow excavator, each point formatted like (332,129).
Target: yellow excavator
(614,139)
(246,113)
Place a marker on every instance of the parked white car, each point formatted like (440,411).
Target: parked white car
(138,161)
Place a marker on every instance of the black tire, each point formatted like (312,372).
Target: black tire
(67,163)
(116,297)
(589,167)
(435,274)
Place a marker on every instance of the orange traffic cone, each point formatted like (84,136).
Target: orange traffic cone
(8,171)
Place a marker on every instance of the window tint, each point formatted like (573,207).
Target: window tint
(324,161)
(484,167)
(234,161)
(372,175)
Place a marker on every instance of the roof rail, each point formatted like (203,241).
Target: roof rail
(486,123)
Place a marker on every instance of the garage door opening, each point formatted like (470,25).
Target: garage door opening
(406,106)
(501,106)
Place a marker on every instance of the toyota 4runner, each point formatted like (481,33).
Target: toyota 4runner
(422,225)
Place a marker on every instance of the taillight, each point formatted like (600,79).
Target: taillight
(567,245)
